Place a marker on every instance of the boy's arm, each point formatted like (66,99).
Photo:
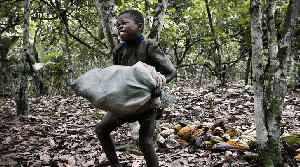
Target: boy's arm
(160,60)
(115,55)
(170,76)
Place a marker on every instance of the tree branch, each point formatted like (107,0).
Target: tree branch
(89,32)
(63,14)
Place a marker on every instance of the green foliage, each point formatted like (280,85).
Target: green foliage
(40,51)
(8,42)
(291,139)
(97,115)
(52,55)
(200,60)
(186,35)
(173,10)
(58,69)
(50,80)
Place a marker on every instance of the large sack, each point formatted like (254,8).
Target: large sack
(119,89)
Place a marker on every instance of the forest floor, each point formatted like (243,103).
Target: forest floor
(59,130)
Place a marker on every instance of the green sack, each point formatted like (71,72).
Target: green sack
(167,100)
(120,89)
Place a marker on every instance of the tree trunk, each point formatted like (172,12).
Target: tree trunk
(248,69)
(158,20)
(273,105)
(219,70)
(296,68)
(3,67)
(269,100)
(147,17)
(5,63)
(66,49)
(21,96)
(288,32)
(256,37)
(107,12)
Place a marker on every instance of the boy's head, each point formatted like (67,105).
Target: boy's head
(130,23)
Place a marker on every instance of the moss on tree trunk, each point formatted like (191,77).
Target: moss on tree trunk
(270,155)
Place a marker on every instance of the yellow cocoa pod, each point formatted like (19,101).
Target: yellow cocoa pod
(231,141)
(237,144)
(184,130)
(234,132)
(231,132)
(167,132)
(177,127)
(297,158)
(241,145)
(197,132)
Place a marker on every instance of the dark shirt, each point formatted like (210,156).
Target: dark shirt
(146,51)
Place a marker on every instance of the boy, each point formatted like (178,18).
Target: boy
(135,48)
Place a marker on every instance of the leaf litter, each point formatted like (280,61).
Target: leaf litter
(207,126)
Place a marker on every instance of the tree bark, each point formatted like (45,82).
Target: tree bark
(270,84)
(21,96)
(219,71)
(271,154)
(258,80)
(66,49)
(158,20)
(3,66)
(107,12)
(147,17)
(248,69)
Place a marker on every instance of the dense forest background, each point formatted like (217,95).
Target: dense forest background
(67,39)
(46,44)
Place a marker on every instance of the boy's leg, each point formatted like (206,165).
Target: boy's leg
(146,143)
(103,130)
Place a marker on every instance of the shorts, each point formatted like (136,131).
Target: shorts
(149,115)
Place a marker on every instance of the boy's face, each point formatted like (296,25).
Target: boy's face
(127,27)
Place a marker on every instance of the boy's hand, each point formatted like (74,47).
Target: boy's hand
(170,76)
(155,95)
